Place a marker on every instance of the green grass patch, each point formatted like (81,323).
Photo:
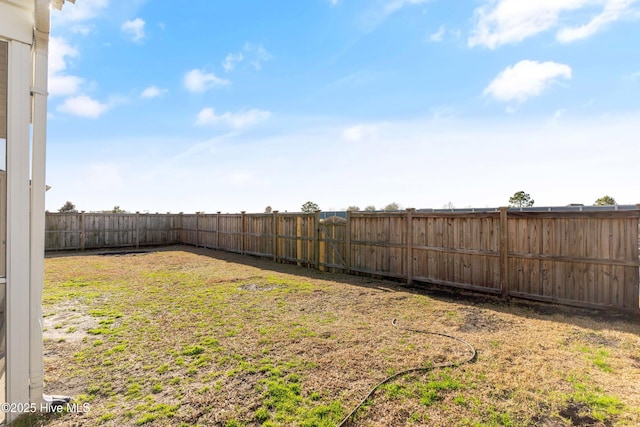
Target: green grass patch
(603,406)
(192,350)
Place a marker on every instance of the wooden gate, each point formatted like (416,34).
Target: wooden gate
(332,238)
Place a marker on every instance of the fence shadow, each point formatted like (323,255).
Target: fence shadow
(591,319)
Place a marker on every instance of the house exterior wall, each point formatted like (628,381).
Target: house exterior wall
(17,22)
(17,18)
(18,232)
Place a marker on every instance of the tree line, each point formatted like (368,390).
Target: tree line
(520,199)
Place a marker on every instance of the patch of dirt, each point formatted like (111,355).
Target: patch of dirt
(592,338)
(546,421)
(635,361)
(68,322)
(258,287)
(580,415)
(476,320)
(63,385)
(542,419)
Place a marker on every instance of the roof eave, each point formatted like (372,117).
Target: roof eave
(59,3)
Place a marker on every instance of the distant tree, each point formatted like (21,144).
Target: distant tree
(68,207)
(370,208)
(392,207)
(605,201)
(116,209)
(268,209)
(521,200)
(310,207)
(448,205)
(353,208)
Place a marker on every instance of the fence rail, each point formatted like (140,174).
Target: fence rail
(579,258)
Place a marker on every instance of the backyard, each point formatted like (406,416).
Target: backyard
(184,336)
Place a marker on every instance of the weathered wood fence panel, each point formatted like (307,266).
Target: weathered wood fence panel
(63,231)
(259,235)
(296,237)
(189,229)
(587,258)
(231,233)
(455,250)
(578,258)
(378,243)
(79,231)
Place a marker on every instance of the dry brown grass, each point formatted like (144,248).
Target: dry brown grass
(196,337)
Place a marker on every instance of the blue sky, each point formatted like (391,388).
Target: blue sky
(235,105)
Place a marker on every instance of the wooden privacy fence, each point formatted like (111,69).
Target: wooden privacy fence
(587,259)
(80,231)
(291,237)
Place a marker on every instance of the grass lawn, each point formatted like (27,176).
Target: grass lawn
(186,337)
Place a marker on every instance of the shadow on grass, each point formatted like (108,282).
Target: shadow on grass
(579,317)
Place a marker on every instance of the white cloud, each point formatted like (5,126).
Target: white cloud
(59,82)
(153,92)
(198,81)
(83,106)
(526,79)
(64,85)
(254,54)
(333,2)
(438,35)
(360,132)
(257,54)
(82,29)
(613,10)
(231,60)
(59,50)
(134,28)
(500,22)
(239,120)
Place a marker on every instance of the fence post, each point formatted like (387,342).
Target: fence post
(137,229)
(180,228)
(218,230)
(316,240)
(504,252)
(197,229)
(322,248)
(275,236)
(347,244)
(242,231)
(82,237)
(298,240)
(410,245)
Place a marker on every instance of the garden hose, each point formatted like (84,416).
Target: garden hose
(471,358)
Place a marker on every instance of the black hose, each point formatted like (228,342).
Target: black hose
(471,358)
